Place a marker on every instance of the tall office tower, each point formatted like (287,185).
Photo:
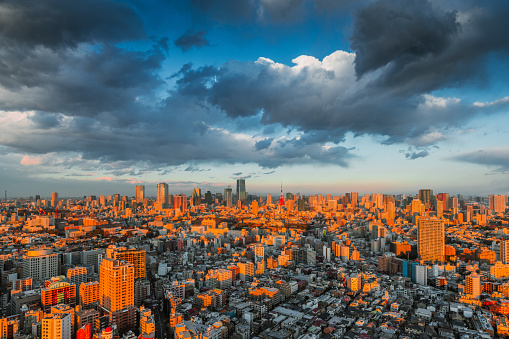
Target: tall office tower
(140,193)
(76,276)
(390,207)
(180,203)
(431,239)
(444,197)
(378,199)
(116,290)
(473,285)
(162,194)
(241,190)
(89,293)
(497,203)
(504,251)
(40,264)
(425,196)
(269,199)
(102,200)
(355,198)
(228,197)
(196,197)
(54,199)
(246,270)
(136,257)
(116,199)
(208,198)
(56,326)
(454,205)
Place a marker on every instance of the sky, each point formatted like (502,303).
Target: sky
(324,96)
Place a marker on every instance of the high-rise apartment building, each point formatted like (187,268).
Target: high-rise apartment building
(136,257)
(40,264)
(162,194)
(56,326)
(228,197)
(473,285)
(497,203)
(246,270)
(140,193)
(241,190)
(117,292)
(89,293)
(504,251)
(259,252)
(431,239)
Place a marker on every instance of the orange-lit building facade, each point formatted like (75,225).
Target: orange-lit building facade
(136,257)
(59,292)
(89,293)
(431,240)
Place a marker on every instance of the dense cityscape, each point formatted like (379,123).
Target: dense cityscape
(254,169)
(232,265)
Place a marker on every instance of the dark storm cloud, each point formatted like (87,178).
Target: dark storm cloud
(418,47)
(57,23)
(45,120)
(497,158)
(263,144)
(88,83)
(321,98)
(400,32)
(191,39)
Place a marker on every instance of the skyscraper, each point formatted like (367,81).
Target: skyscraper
(180,203)
(390,207)
(116,292)
(228,197)
(162,194)
(140,193)
(355,198)
(425,197)
(431,239)
(196,197)
(54,199)
(241,190)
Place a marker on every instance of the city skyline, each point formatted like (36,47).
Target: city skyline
(383,96)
